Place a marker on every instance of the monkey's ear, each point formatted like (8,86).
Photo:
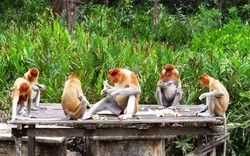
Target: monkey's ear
(114,71)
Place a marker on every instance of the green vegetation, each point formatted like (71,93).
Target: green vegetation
(107,37)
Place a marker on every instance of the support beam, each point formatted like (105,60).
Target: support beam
(125,133)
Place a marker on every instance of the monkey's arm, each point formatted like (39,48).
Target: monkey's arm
(14,107)
(163,84)
(106,85)
(29,103)
(179,88)
(41,86)
(211,94)
(126,91)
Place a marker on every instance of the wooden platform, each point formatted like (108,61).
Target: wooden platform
(147,114)
(145,125)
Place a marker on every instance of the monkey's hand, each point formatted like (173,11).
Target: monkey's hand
(104,91)
(178,91)
(86,116)
(35,88)
(41,86)
(202,96)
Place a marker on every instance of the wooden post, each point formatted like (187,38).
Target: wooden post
(18,141)
(31,143)
(225,133)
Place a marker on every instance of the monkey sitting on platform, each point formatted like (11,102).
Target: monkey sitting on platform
(169,91)
(74,102)
(217,99)
(122,99)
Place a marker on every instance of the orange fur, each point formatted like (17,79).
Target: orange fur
(32,75)
(221,102)
(169,74)
(71,97)
(22,91)
(123,78)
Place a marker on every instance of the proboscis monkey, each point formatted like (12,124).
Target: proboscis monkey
(21,94)
(217,99)
(122,99)
(169,91)
(32,76)
(73,101)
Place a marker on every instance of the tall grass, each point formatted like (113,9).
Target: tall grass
(102,41)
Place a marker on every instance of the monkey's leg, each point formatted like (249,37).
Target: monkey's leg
(211,106)
(218,108)
(176,100)
(29,108)
(36,101)
(130,108)
(206,111)
(159,97)
(19,108)
(105,103)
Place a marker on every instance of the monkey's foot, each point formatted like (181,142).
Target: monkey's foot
(173,108)
(124,117)
(34,108)
(86,116)
(205,114)
(160,107)
(39,108)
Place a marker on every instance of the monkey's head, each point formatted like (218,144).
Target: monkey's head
(24,87)
(73,76)
(114,75)
(204,79)
(33,74)
(168,69)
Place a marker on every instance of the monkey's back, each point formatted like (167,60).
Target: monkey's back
(225,98)
(70,98)
(222,102)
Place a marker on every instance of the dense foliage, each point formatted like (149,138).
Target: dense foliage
(107,37)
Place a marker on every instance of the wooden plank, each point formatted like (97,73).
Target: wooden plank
(125,133)
(116,121)
(54,116)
